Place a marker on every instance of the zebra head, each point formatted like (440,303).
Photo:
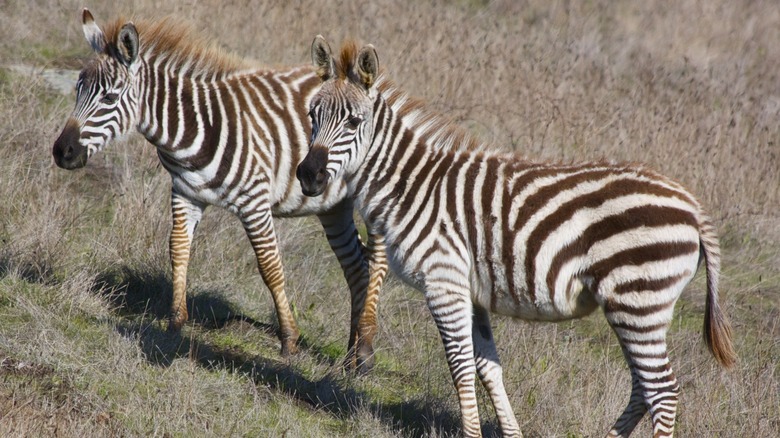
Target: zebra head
(341,114)
(106,96)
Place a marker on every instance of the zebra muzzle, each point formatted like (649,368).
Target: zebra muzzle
(312,172)
(67,151)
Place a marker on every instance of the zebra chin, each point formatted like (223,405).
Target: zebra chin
(313,188)
(68,153)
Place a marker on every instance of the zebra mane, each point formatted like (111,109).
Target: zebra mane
(442,132)
(345,64)
(169,37)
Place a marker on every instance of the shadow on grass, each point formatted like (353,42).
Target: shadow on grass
(144,292)
(148,292)
(30,269)
(142,297)
(331,394)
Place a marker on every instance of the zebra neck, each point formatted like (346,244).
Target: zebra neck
(168,116)
(398,160)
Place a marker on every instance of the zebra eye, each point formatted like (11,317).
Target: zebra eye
(353,122)
(109,98)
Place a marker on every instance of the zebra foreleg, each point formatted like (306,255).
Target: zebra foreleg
(259,228)
(186,215)
(490,373)
(345,242)
(450,304)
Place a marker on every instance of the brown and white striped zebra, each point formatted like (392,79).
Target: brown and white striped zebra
(478,231)
(230,135)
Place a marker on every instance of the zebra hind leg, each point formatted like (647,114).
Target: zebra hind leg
(490,373)
(367,325)
(654,386)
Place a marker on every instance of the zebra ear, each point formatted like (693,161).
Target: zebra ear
(367,66)
(92,32)
(322,58)
(127,44)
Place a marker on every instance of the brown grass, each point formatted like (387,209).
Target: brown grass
(689,88)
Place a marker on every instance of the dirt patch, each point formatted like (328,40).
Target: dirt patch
(60,80)
(10,365)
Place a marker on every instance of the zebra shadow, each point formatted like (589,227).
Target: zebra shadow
(142,298)
(145,295)
(331,393)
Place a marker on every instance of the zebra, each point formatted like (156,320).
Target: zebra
(230,135)
(479,231)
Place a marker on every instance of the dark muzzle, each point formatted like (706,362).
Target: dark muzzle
(68,152)
(311,172)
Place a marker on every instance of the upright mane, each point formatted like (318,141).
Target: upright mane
(443,133)
(169,37)
(345,64)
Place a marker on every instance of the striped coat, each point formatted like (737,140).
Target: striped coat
(482,232)
(230,135)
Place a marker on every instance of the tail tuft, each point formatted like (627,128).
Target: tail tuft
(717,329)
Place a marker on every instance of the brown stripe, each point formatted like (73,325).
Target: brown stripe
(452,199)
(211,139)
(639,256)
(633,328)
(655,285)
(173,109)
(541,198)
(615,306)
(469,193)
(487,218)
(158,107)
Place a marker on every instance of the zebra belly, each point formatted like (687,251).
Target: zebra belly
(189,188)
(293,203)
(574,302)
(398,265)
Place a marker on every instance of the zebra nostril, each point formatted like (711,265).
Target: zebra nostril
(68,152)
(322,176)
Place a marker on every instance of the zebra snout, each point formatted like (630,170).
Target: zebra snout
(67,151)
(312,173)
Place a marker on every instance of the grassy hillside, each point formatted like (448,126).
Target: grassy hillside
(689,88)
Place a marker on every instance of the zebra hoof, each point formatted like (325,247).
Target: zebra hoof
(365,359)
(289,347)
(175,324)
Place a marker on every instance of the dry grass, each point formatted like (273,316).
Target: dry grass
(688,87)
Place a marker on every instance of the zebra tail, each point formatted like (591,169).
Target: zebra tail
(717,328)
